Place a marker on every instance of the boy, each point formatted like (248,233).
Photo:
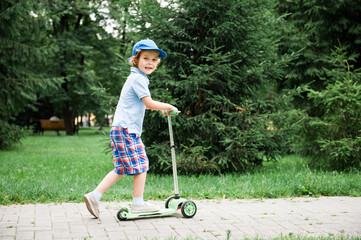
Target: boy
(129,154)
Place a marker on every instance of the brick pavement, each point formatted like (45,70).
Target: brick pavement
(267,218)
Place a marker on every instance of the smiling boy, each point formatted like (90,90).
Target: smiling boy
(129,156)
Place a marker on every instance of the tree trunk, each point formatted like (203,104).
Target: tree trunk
(68,119)
(67,113)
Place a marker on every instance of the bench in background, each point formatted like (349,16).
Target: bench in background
(54,125)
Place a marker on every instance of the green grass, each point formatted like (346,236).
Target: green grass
(50,168)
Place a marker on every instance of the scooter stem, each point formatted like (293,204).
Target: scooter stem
(174,163)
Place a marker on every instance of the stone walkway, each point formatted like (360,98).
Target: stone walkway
(215,219)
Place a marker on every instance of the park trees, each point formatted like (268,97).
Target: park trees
(81,45)
(232,67)
(23,62)
(58,53)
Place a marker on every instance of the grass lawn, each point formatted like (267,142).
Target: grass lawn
(50,168)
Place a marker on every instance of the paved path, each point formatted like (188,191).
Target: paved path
(324,216)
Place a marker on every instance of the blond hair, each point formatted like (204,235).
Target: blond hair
(135,59)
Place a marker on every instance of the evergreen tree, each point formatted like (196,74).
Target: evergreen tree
(333,138)
(221,54)
(23,57)
(315,27)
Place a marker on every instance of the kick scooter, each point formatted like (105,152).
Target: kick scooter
(174,203)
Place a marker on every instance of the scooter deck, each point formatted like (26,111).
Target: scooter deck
(144,214)
(130,215)
(173,207)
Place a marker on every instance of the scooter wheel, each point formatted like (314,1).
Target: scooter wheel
(121,215)
(188,209)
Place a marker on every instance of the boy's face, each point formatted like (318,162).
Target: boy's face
(148,61)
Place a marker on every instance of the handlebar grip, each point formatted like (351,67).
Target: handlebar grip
(175,113)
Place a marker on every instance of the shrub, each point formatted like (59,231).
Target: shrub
(9,134)
(333,135)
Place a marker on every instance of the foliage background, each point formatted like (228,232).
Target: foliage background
(254,79)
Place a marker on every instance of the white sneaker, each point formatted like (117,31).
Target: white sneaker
(147,207)
(92,204)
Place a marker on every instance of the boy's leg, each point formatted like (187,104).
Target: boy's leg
(138,184)
(108,181)
(92,198)
(138,190)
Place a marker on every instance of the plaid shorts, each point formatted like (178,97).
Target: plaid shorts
(129,156)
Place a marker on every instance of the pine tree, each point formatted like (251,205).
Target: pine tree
(333,138)
(23,53)
(316,27)
(220,55)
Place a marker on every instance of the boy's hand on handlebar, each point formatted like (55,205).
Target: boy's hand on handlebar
(170,113)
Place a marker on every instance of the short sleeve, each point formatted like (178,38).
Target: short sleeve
(140,87)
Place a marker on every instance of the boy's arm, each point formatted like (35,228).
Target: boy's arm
(155,105)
